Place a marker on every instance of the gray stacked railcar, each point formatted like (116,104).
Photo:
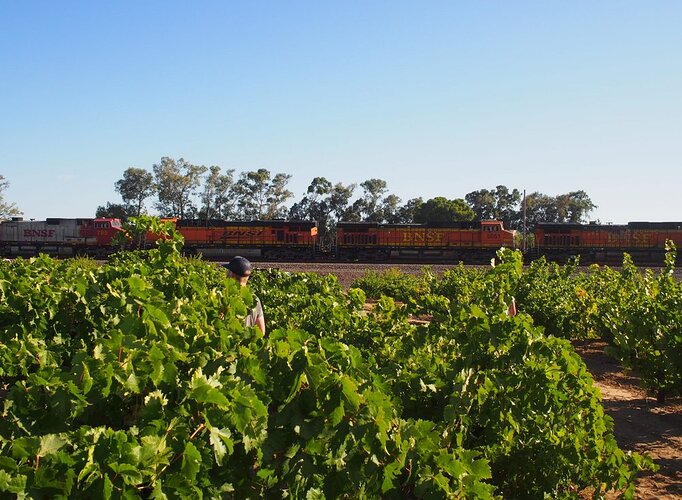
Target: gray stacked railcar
(54,236)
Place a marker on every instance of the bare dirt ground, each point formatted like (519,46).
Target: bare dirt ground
(641,424)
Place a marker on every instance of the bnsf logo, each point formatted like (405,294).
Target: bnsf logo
(419,237)
(39,233)
(238,233)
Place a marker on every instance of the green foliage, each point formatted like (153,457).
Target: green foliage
(499,204)
(440,209)
(135,187)
(138,379)
(394,283)
(139,232)
(559,299)
(120,383)
(7,210)
(570,207)
(497,385)
(646,326)
(487,382)
(638,312)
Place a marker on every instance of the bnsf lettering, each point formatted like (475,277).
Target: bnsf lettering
(613,239)
(428,237)
(239,233)
(39,233)
(640,238)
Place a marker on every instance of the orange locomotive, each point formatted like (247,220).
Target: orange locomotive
(471,242)
(644,241)
(273,239)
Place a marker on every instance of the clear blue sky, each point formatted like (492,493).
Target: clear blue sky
(438,98)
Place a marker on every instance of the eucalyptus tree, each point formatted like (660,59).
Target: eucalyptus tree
(176,183)
(251,190)
(574,206)
(368,206)
(135,187)
(390,209)
(499,203)
(226,200)
(339,200)
(115,211)
(278,194)
(540,208)
(325,203)
(218,197)
(570,207)
(405,213)
(315,204)
(7,210)
(440,209)
(261,196)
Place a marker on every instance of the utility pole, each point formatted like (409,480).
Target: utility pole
(524,221)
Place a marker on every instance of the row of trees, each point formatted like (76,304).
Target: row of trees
(185,190)
(178,188)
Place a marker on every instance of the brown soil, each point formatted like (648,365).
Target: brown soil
(641,424)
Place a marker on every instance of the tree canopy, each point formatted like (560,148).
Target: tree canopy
(135,187)
(176,183)
(440,209)
(7,210)
(570,207)
(115,211)
(499,204)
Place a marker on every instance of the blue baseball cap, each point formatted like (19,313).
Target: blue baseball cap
(239,266)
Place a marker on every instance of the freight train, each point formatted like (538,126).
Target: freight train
(215,239)
(279,240)
(606,243)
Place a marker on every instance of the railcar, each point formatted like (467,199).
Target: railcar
(469,242)
(606,243)
(59,237)
(269,239)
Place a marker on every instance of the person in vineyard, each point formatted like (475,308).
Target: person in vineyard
(511,310)
(239,269)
